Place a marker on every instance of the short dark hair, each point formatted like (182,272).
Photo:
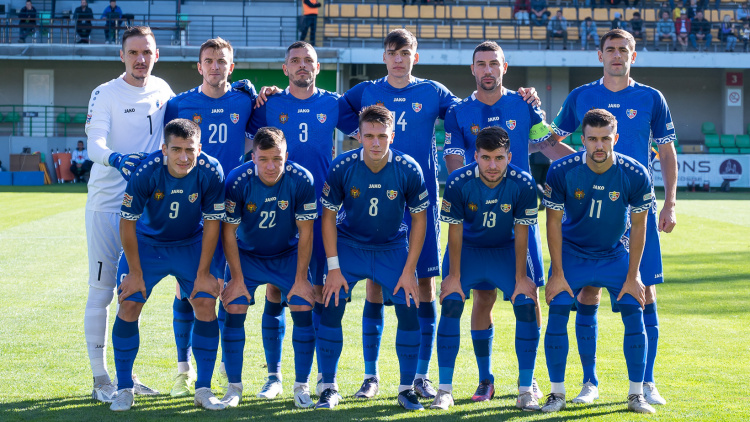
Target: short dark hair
(136,31)
(637,14)
(487,46)
(615,34)
(268,137)
(297,44)
(181,128)
(376,114)
(492,138)
(217,43)
(597,117)
(400,38)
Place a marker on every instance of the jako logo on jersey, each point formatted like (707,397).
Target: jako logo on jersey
(303,110)
(127,200)
(158,195)
(321,117)
(217,110)
(374,186)
(283,205)
(234,117)
(271,199)
(579,194)
(631,113)
(505,207)
(614,195)
(493,119)
(283,117)
(392,194)
(598,187)
(197,118)
(491,201)
(251,206)
(446,207)
(354,192)
(474,129)
(473,206)
(511,124)
(416,107)
(129,110)
(399,100)
(613,106)
(193,197)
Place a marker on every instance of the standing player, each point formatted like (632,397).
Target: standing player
(125,115)
(643,116)
(489,205)
(272,203)
(223,112)
(493,105)
(308,116)
(171,215)
(374,184)
(597,192)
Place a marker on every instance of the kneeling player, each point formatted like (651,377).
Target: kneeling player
(267,235)
(374,184)
(171,195)
(489,205)
(598,192)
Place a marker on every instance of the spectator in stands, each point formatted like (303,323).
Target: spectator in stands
(636,26)
(27,22)
(617,22)
(558,28)
(82,16)
(588,32)
(726,34)
(309,19)
(666,7)
(539,13)
(682,29)
(521,11)
(743,13)
(665,30)
(80,165)
(693,9)
(700,30)
(745,34)
(113,15)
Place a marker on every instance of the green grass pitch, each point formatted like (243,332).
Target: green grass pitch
(702,368)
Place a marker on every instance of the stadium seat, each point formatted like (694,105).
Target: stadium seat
(584,13)
(411,12)
(458,12)
(743,143)
(492,32)
(460,32)
(347,30)
(442,12)
(524,32)
(490,13)
(364,11)
(378,31)
(380,11)
(600,15)
(411,28)
(331,30)
(712,144)
(427,31)
(708,128)
(507,32)
(649,15)
(395,11)
(364,30)
(474,12)
(14,117)
(725,12)
(573,33)
(63,118)
(443,31)
(332,10)
(426,12)
(727,142)
(476,32)
(571,14)
(348,11)
(506,13)
(539,33)
(629,13)
(614,10)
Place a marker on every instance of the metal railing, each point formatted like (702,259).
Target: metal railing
(39,120)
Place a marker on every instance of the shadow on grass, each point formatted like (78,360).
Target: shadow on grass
(56,188)
(167,408)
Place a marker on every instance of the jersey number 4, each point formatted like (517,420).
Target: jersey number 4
(401,120)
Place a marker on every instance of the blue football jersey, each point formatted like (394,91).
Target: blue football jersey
(267,215)
(489,214)
(308,127)
(415,110)
(641,111)
(596,205)
(224,121)
(374,203)
(522,121)
(169,210)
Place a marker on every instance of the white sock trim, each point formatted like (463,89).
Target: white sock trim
(635,388)
(557,388)
(446,387)
(368,376)
(404,388)
(418,376)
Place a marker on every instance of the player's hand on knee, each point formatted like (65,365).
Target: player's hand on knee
(634,287)
(335,281)
(131,284)
(409,283)
(206,283)
(525,286)
(530,96)
(451,285)
(556,286)
(234,289)
(264,93)
(126,163)
(304,289)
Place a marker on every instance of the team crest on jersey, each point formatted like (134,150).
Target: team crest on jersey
(579,194)
(193,197)
(614,195)
(473,206)
(547,190)
(475,130)
(631,113)
(354,192)
(321,117)
(392,194)
(283,117)
(505,207)
(251,206)
(158,195)
(127,201)
(380,103)
(511,124)
(326,189)
(197,118)
(283,205)
(235,117)
(416,107)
